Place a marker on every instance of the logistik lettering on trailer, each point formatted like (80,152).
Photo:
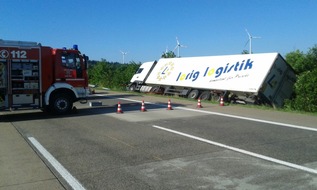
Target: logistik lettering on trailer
(217,72)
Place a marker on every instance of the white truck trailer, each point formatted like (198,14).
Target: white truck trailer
(248,78)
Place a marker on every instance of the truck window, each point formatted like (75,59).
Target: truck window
(69,61)
(139,71)
(79,69)
(72,61)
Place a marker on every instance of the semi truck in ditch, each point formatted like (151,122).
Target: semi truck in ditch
(36,76)
(264,78)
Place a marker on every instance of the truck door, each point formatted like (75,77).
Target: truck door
(72,66)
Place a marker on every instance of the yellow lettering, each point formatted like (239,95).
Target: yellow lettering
(182,77)
(211,72)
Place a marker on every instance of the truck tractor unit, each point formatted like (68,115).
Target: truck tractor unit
(245,78)
(36,76)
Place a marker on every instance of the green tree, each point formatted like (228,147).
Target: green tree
(169,54)
(297,60)
(306,90)
(312,59)
(101,73)
(305,65)
(245,52)
(111,74)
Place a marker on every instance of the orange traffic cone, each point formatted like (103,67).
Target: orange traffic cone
(221,103)
(169,106)
(199,104)
(119,110)
(143,106)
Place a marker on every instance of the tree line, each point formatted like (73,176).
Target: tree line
(112,75)
(305,89)
(116,76)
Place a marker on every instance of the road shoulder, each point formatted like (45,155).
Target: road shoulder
(20,167)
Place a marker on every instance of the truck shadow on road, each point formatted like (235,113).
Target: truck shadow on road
(28,115)
(102,96)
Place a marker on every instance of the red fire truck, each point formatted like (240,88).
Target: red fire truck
(36,76)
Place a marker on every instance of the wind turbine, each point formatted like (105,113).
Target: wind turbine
(166,52)
(123,54)
(178,45)
(250,40)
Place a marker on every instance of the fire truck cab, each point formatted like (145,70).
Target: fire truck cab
(36,76)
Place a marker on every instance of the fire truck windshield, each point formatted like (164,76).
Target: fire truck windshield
(70,60)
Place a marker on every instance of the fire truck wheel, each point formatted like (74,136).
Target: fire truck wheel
(61,104)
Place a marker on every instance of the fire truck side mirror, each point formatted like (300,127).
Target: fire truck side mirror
(86,58)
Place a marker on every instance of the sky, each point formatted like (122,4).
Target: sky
(145,29)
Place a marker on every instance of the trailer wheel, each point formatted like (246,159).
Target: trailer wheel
(132,87)
(216,97)
(205,95)
(193,94)
(61,104)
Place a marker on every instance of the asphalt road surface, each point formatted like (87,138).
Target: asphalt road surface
(214,147)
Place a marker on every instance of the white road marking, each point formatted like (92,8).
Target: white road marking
(233,116)
(72,181)
(251,119)
(140,101)
(288,164)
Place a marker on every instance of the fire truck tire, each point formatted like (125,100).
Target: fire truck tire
(61,104)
